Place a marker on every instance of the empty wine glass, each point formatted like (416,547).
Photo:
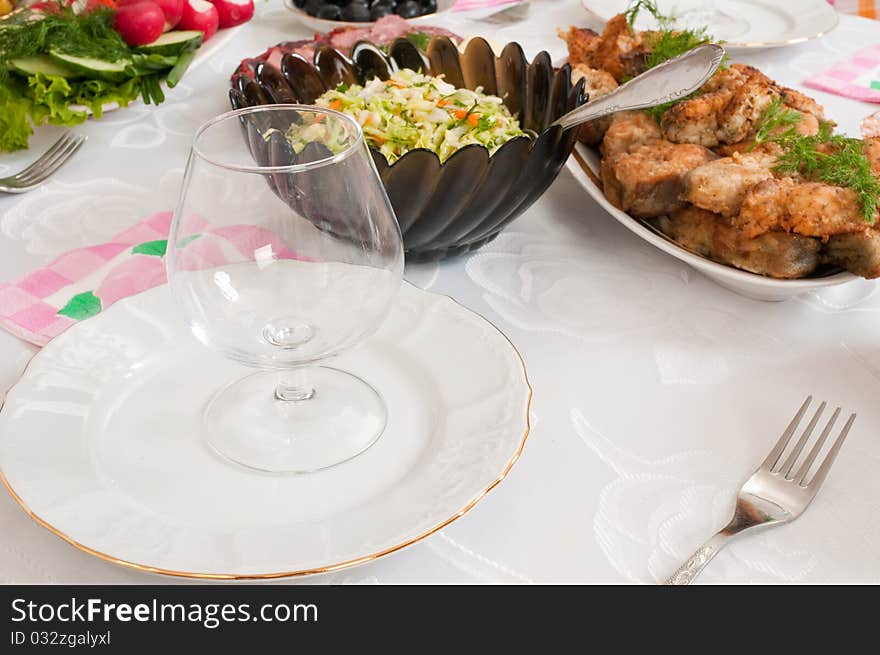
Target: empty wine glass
(720,24)
(283,252)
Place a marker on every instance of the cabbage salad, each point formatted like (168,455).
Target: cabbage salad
(411,110)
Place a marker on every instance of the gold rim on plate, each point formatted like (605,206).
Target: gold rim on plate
(301,572)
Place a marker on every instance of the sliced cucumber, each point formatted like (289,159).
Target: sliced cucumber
(40,64)
(174,43)
(111,71)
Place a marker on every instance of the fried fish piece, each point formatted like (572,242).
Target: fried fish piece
(857,252)
(618,50)
(720,186)
(629,130)
(648,181)
(808,125)
(582,43)
(808,208)
(774,254)
(803,103)
(726,111)
(596,84)
(730,106)
(872,152)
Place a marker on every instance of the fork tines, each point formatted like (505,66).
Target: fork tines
(785,468)
(44,166)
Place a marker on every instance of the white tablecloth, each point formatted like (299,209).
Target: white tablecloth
(656,392)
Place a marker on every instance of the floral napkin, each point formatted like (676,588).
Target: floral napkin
(85,281)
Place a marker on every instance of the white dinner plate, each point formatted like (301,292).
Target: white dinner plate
(323,25)
(771,23)
(584,165)
(100,443)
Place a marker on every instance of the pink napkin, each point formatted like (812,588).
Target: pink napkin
(857,77)
(85,281)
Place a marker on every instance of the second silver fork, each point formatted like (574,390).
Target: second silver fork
(777,492)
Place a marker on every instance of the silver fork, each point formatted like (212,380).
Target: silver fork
(774,494)
(46,164)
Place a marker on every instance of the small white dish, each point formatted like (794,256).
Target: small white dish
(100,443)
(584,165)
(771,23)
(323,25)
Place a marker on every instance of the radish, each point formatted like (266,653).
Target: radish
(234,12)
(172,9)
(140,23)
(200,15)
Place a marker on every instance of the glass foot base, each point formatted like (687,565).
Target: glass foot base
(250,424)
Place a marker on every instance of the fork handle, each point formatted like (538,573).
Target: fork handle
(698,561)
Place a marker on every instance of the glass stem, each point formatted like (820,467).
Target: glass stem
(295,385)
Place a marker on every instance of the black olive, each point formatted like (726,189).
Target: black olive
(381,8)
(312,7)
(408,9)
(299,4)
(357,12)
(429,6)
(328,12)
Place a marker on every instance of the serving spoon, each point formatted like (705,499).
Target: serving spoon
(667,82)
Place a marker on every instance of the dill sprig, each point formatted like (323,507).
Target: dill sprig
(774,117)
(632,12)
(89,34)
(666,43)
(824,157)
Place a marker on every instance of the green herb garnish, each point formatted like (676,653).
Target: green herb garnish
(670,44)
(632,12)
(824,157)
(90,34)
(775,116)
(665,44)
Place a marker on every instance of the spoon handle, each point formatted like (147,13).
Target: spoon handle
(666,82)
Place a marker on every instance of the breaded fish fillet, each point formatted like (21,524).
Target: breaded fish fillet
(775,254)
(648,181)
(720,186)
(808,208)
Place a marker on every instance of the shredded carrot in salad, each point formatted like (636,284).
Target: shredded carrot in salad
(411,110)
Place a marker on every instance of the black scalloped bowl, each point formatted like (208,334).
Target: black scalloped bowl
(453,207)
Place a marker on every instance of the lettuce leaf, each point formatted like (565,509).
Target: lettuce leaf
(50,99)
(15,128)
